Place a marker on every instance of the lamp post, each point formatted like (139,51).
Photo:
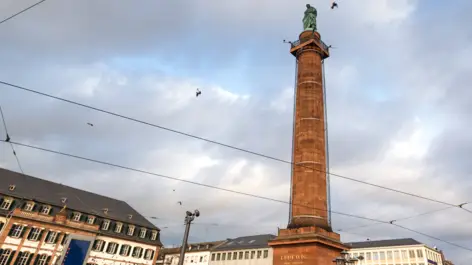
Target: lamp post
(189,217)
(344,259)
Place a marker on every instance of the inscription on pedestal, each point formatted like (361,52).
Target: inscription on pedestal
(293,259)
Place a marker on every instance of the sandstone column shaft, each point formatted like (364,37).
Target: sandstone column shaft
(309,190)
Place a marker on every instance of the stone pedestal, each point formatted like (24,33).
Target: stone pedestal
(306,246)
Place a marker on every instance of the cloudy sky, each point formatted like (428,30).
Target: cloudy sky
(397,94)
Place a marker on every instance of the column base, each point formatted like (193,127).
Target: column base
(309,221)
(306,246)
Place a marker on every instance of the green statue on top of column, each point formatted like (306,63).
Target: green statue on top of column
(309,20)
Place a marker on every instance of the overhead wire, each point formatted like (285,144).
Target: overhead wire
(232,191)
(177,179)
(8,140)
(396,220)
(229,146)
(22,11)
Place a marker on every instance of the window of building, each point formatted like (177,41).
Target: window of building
(142,233)
(218,256)
(137,252)
(396,254)
(130,230)
(404,256)
(16,231)
(29,206)
(375,255)
(112,248)
(51,237)
(154,235)
(125,250)
(46,209)
(235,255)
(240,256)
(389,255)
(149,255)
(22,258)
(6,204)
(229,256)
(362,254)
(105,224)
(223,256)
(98,246)
(118,227)
(368,256)
(253,254)
(259,254)
(382,255)
(76,217)
(42,260)
(64,238)
(34,234)
(266,254)
(201,259)
(246,254)
(91,219)
(213,257)
(5,256)
(412,254)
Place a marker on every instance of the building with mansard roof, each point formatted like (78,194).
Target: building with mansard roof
(36,217)
(246,250)
(403,251)
(195,254)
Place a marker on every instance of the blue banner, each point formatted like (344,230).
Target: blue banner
(76,253)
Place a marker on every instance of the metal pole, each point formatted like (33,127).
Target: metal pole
(189,217)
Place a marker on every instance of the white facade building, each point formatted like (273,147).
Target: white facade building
(249,250)
(196,254)
(405,251)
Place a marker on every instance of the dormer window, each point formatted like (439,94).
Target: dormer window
(106,224)
(29,206)
(12,187)
(142,233)
(118,227)
(91,219)
(130,230)
(64,200)
(76,217)
(46,209)
(154,235)
(6,204)
(105,210)
(130,216)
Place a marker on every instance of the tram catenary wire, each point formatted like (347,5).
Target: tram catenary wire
(232,191)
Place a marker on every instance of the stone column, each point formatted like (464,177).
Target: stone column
(309,191)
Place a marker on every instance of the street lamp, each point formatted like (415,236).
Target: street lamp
(189,217)
(344,259)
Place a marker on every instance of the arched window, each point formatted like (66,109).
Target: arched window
(23,258)
(6,253)
(98,245)
(137,252)
(125,250)
(149,255)
(42,259)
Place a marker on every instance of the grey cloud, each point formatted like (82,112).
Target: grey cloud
(52,49)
